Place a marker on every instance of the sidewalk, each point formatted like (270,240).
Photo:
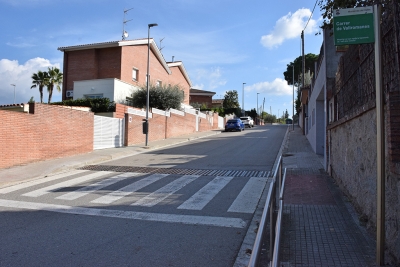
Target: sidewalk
(320,228)
(36,170)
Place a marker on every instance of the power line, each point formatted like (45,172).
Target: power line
(311,15)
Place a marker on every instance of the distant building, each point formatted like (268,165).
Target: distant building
(201,97)
(217,103)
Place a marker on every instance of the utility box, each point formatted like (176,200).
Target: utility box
(145,126)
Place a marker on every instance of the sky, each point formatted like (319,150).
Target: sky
(222,43)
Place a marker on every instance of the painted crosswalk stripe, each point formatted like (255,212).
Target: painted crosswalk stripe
(199,200)
(129,189)
(166,191)
(97,186)
(132,215)
(247,200)
(54,187)
(38,181)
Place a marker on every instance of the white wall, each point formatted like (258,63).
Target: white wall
(114,89)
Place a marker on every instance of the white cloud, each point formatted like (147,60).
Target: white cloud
(11,72)
(277,87)
(208,79)
(289,27)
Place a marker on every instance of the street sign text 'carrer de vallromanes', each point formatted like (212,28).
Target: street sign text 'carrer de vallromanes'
(353,26)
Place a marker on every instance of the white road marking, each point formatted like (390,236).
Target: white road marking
(54,187)
(38,181)
(145,216)
(247,200)
(164,192)
(129,189)
(97,186)
(199,200)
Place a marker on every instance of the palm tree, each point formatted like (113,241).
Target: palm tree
(40,80)
(55,79)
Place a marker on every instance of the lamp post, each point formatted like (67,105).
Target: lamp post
(14,91)
(293,98)
(146,122)
(244,112)
(257,107)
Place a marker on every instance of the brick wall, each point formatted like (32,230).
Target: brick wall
(201,99)
(50,132)
(162,127)
(180,125)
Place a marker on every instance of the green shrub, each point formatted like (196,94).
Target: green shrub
(96,104)
(161,97)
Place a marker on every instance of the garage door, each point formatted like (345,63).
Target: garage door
(108,132)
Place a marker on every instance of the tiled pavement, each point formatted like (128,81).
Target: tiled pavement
(319,226)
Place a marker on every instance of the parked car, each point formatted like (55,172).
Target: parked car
(247,121)
(234,125)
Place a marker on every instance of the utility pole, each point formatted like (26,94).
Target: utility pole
(303,65)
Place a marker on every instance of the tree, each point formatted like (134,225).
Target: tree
(286,114)
(231,100)
(269,118)
(288,74)
(253,113)
(40,80)
(327,7)
(162,97)
(55,78)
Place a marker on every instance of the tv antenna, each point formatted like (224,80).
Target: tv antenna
(125,33)
(161,47)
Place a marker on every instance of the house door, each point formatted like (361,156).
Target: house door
(108,132)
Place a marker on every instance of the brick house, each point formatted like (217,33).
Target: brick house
(201,97)
(115,69)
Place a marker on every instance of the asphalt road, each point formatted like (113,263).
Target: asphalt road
(187,205)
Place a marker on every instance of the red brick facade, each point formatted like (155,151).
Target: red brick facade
(87,63)
(50,132)
(201,99)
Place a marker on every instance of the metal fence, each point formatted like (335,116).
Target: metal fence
(275,217)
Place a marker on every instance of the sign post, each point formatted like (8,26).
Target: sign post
(353,26)
(360,26)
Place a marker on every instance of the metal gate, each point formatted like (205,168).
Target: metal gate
(108,132)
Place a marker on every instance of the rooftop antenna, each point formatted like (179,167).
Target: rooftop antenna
(161,47)
(125,33)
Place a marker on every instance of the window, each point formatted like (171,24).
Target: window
(93,96)
(135,75)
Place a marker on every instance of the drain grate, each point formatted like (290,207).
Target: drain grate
(235,173)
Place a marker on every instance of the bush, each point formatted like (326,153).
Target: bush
(96,104)
(161,97)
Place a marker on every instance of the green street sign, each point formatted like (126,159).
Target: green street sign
(353,26)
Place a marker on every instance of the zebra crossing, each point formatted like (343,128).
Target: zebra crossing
(65,188)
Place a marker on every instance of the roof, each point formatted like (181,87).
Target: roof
(180,65)
(144,41)
(194,91)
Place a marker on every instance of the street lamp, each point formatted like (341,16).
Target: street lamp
(293,98)
(146,122)
(14,91)
(257,108)
(244,112)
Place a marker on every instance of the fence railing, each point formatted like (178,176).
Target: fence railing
(275,217)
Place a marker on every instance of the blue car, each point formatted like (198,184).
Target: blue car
(234,125)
